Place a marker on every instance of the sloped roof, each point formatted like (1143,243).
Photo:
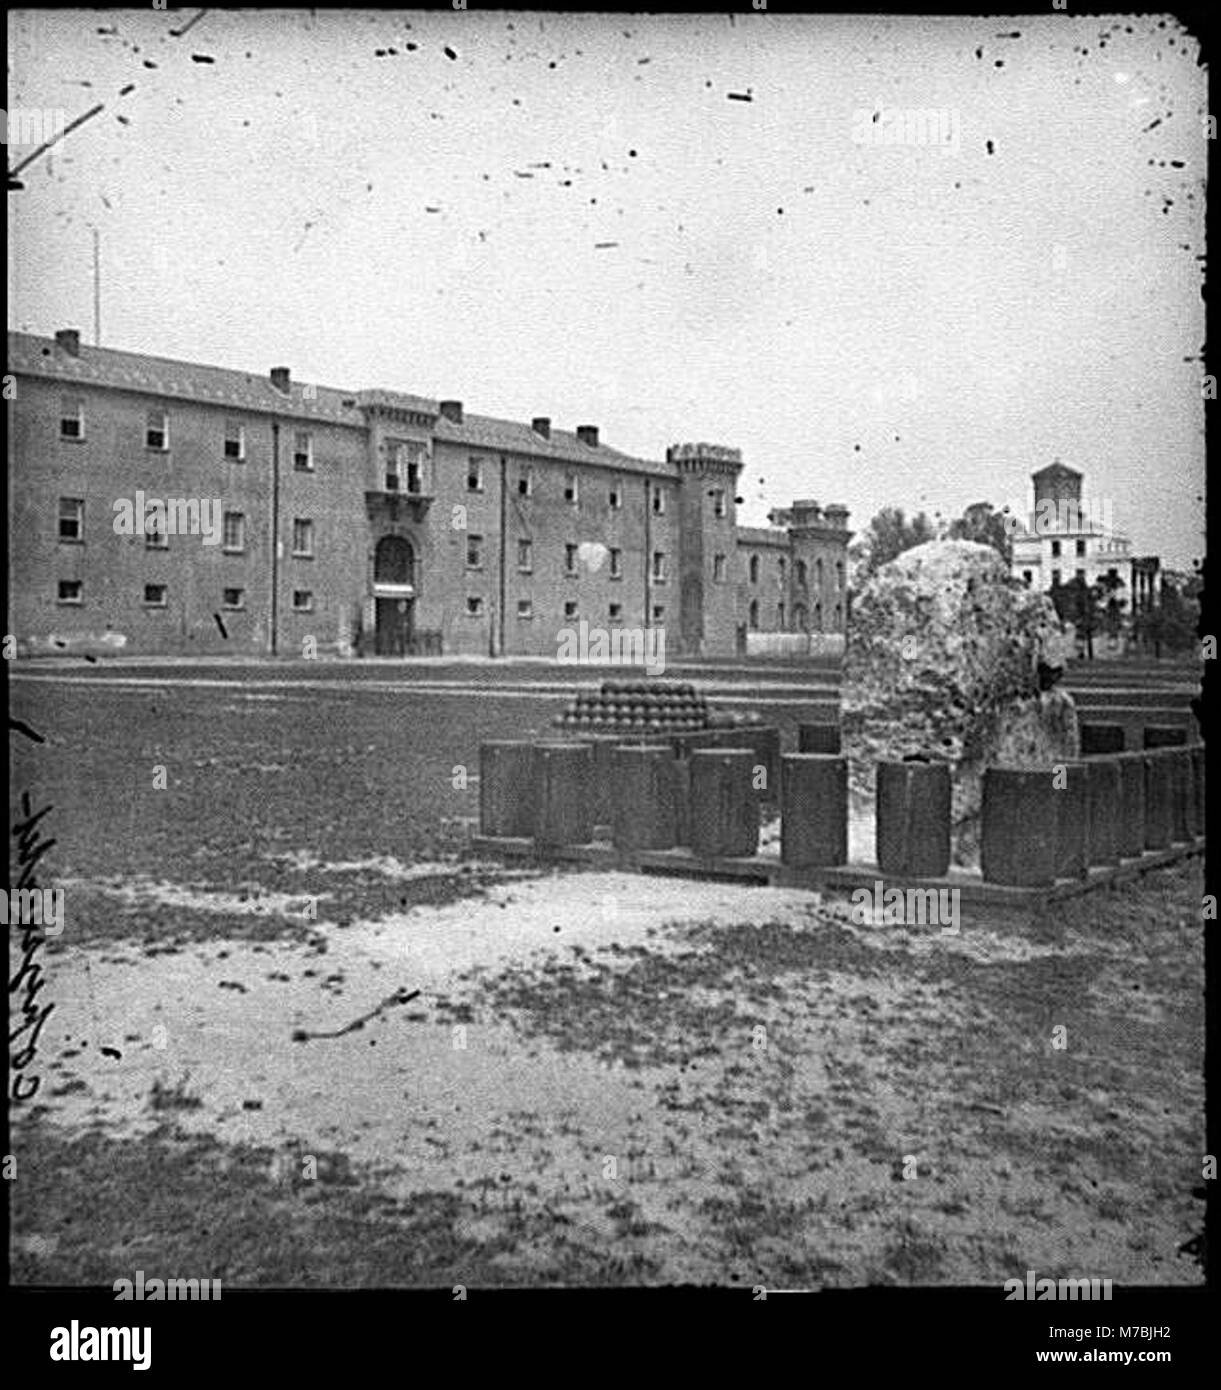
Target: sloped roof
(163,376)
(166,377)
(1059,468)
(510,437)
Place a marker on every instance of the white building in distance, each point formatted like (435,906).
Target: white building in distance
(1066,538)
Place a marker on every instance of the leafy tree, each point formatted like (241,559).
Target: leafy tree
(982,523)
(889,534)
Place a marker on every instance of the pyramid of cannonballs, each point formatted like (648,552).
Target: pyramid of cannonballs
(640,706)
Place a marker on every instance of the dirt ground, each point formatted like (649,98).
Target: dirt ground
(599,1078)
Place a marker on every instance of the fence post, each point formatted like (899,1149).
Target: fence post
(1072,809)
(1132,804)
(1103,810)
(563,782)
(913,819)
(506,788)
(724,807)
(642,788)
(1019,841)
(813,810)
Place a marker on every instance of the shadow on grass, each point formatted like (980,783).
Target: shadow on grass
(96,1209)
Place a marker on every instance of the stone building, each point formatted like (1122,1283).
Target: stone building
(372,522)
(1069,537)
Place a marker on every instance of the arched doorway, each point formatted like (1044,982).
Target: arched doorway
(394,591)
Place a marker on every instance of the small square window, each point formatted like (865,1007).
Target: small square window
(1055,550)
(525,483)
(616,498)
(154,539)
(659,612)
(71,591)
(570,608)
(615,612)
(571,491)
(1080,547)
(525,608)
(474,606)
(718,502)
(303,601)
(659,503)
(156,595)
(474,475)
(525,556)
(303,539)
(234,599)
(659,567)
(235,441)
(474,552)
(72,518)
(303,451)
(72,418)
(157,430)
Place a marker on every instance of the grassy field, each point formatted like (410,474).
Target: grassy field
(599,1078)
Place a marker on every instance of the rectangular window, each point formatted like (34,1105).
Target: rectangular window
(235,441)
(718,501)
(718,569)
(303,539)
(1055,550)
(616,564)
(154,539)
(1081,575)
(404,466)
(155,596)
(525,556)
(659,567)
(525,608)
(474,475)
(1027,576)
(571,493)
(234,599)
(570,608)
(303,601)
(525,483)
(71,591)
(1080,547)
(72,418)
(616,498)
(157,430)
(474,606)
(303,451)
(72,518)
(233,535)
(615,612)
(570,559)
(659,502)
(1055,579)
(659,612)
(474,552)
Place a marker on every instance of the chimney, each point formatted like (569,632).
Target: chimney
(69,340)
(452,410)
(541,424)
(588,434)
(280,378)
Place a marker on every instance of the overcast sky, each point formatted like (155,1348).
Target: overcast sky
(870,325)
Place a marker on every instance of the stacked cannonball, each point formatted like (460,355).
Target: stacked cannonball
(637,707)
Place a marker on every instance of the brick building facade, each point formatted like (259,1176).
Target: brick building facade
(372,522)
